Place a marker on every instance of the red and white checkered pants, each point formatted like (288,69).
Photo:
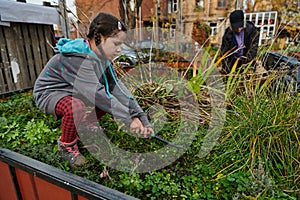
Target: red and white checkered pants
(72,112)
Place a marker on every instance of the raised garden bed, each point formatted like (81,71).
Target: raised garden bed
(256,156)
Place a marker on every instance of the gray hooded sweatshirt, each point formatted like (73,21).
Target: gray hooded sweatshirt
(77,71)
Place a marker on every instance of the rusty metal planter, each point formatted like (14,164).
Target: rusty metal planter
(25,178)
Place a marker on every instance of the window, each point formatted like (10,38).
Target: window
(175,5)
(213,28)
(172,31)
(172,6)
(221,3)
(199,4)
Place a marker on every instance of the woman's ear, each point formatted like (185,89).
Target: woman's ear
(102,38)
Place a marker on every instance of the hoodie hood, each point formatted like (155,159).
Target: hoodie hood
(79,45)
(68,46)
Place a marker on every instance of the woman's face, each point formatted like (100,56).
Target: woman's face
(112,45)
(238,30)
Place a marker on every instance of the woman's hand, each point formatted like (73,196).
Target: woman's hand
(137,127)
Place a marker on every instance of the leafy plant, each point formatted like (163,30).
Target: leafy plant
(25,125)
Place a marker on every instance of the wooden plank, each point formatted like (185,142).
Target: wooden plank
(2,82)
(42,43)
(13,54)
(2,75)
(38,64)
(4,57)
(21,60)
(29,53)
(50,40)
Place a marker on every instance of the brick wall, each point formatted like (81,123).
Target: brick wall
(87,10)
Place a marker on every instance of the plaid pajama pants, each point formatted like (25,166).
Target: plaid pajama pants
(72,111)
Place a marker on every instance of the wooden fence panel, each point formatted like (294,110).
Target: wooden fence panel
(13,55)
(29,53)
(7,79)
(30,46)
(38,63)
(42,44)
(50,38)
(21,57)
(2,83)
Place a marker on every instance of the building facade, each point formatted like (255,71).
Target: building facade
(177,15)
(180,15)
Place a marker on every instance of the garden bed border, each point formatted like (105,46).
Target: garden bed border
(14,167)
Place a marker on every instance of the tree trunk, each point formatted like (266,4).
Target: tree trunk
(127,14)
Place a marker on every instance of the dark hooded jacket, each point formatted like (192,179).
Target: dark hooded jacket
(77,71)
(229,45)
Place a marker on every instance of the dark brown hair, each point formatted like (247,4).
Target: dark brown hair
(105,25)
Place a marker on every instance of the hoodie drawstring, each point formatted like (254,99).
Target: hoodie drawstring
(115,80)
(105,81)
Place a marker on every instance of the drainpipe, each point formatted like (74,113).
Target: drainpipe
(64,18)
(208,10)
(237,5)
(140,22)
(180,15)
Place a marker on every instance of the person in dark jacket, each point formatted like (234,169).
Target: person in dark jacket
(239,42)
(80,76)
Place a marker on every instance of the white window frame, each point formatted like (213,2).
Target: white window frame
(263,21)
(172,31)
(172,6)
(223,2)
(213,29)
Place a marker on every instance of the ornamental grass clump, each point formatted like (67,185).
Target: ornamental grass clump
(261,133)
